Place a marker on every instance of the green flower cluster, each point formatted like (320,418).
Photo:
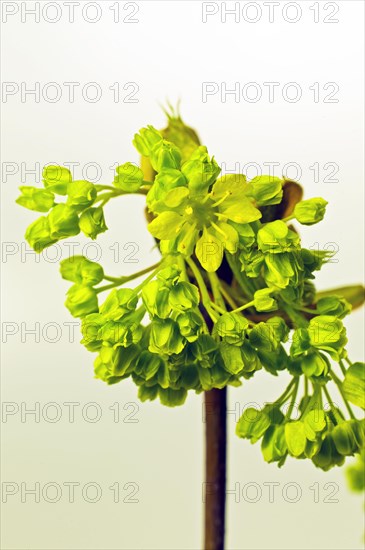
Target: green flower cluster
(232,294)
(64,219)
(324,437)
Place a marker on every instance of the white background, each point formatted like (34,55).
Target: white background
(169,53)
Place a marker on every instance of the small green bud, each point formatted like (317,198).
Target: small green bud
(80,270)
(264,301)
(344,439)
(266,190)
(39,200)
(327,333)
(169,275)
(155,297)
(165,156)
(232,328)
(170,178)
(184,296)
(276,237)
(314,364)
(328,456)
(119,303)
(282,269)
(92,222)
(129,178)
(190,325)
(115,363)
(56,179)
(147,139)
(63,222)
(253,424)
(165,337)
(310,211)
(200,170)
(81,194)
(81,300)
(232,357)
(38,234)
(333,305)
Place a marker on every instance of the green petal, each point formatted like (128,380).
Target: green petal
(166,226)
(209,251)
(241,212)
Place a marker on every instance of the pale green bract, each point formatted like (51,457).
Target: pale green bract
(232,294)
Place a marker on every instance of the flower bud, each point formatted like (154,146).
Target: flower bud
(56,179)
(266,190)
(119,303)
(63,222)
(114,364)
(38,234)
(80,270)
(81,300)
(275,237)
(129,177)
(155,296)
(328,456)
(190,325)
(344,439)
(232,328)
(200,170)
(327,333)
(92,222)
(314,364)
(39,200)
(165,156)
(146,140)
(184,296)
(310,211)
(81,194)
(333,305)
(252,425)
(263,300)
(165,337)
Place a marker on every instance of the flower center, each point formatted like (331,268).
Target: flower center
(200,214)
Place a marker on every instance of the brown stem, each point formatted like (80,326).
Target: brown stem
(214,492)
